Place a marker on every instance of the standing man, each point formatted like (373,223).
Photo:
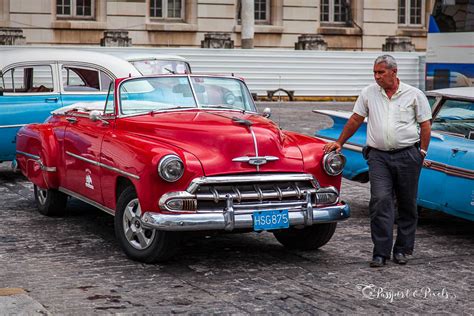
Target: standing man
(398,135)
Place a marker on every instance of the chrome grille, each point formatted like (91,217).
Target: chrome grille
(241,194)
(212,197)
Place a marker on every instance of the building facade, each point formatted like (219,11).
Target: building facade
(340,24)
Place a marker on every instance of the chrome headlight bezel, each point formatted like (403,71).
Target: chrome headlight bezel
(165,163)
(329,158)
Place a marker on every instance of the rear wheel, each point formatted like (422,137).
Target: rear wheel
(140,243)
(307,238)
(50,202)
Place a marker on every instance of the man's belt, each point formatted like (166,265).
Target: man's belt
(393,151)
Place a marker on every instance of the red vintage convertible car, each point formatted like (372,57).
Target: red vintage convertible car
(176,153)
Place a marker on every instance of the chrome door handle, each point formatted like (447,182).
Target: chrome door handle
(456,150)
(51,100)
(71,119)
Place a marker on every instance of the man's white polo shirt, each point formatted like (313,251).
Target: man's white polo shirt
(392,123)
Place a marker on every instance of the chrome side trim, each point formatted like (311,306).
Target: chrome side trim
(194,185)
(231,220)
(93,162)
(99,164)
(28,155)
(450,170)
(88,201)
(12,126)
(38,160)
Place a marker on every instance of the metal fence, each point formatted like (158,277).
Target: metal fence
(307,73)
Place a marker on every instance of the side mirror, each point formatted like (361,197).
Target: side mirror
(267,112)
(95,116)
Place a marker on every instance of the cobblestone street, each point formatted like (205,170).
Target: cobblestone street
(73,265)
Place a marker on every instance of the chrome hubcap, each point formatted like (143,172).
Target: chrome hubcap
(42,195)
(139,237)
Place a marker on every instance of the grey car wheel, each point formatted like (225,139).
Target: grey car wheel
(140,243)
(139,237)
(50,202)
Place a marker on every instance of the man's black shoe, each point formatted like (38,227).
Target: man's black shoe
(377,262)
(400,258)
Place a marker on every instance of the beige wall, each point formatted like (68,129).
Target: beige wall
(375,20)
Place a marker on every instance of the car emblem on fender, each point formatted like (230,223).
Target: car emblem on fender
(255,161)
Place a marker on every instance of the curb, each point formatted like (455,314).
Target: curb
(15,301)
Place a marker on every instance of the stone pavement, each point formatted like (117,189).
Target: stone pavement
(73,266)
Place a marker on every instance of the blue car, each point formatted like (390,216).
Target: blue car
(35,82)
(447,185)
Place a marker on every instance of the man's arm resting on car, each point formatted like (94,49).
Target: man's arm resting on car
(349,129)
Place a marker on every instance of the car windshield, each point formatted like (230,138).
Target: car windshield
(157,67)
(149,94)
(455,117)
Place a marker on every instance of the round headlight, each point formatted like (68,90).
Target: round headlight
(171,168)
(334,163)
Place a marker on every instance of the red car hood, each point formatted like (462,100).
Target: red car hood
(217,137)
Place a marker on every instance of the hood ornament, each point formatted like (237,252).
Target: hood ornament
(255,161)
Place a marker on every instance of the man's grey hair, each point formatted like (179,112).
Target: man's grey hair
(388,59)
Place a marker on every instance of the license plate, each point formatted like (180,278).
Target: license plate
(268,220)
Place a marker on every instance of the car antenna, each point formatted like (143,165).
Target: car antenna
(279,98)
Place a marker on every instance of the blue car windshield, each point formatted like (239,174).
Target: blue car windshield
(150,94)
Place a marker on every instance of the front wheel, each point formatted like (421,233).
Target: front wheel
(50,202)
(307,238)
(140,243)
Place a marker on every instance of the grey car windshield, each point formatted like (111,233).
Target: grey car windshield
(170,92)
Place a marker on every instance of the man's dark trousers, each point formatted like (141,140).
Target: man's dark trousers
(393,177)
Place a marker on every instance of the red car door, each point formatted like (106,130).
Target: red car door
(82,145)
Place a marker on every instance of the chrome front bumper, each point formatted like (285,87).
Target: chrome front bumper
(229,220)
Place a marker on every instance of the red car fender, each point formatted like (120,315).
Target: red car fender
(37,155)
(313,162)
(140,157)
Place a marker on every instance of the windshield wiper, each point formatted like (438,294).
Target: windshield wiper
(219,106)
(170,71)
(173,108)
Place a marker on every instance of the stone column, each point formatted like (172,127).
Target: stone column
(12,36)
(398,44)
(116,38)
(217,40)
(311,42)
(247,14)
